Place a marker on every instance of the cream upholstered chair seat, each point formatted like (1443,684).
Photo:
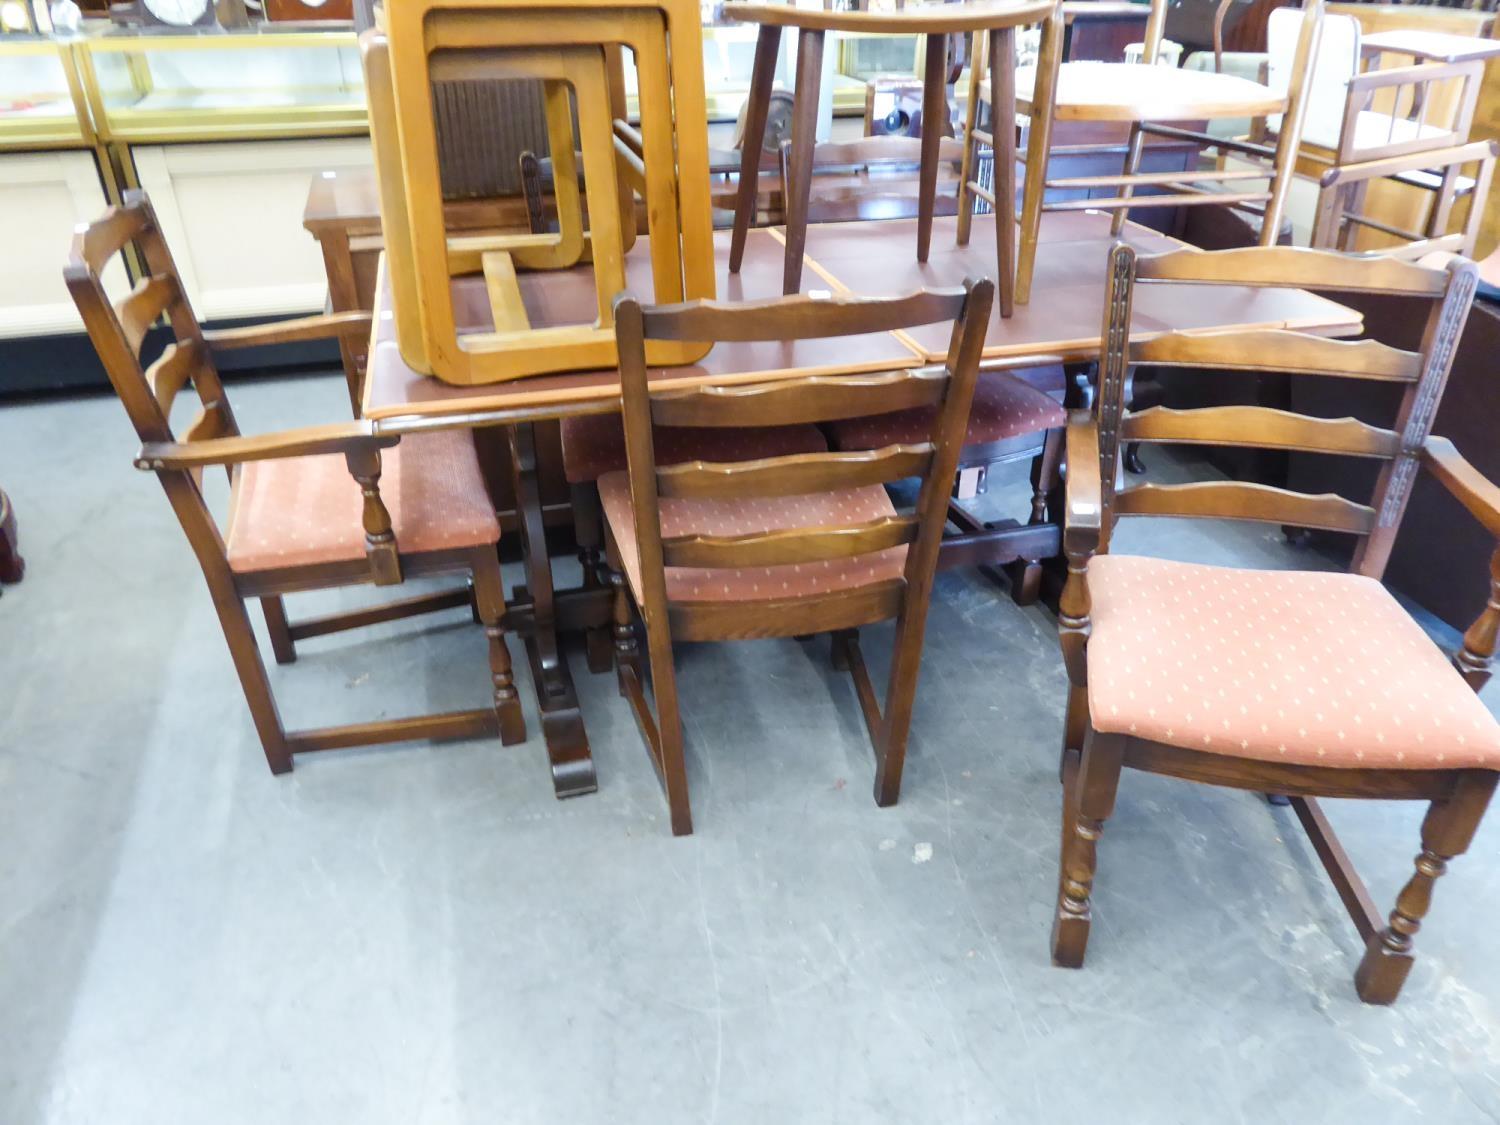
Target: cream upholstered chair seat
(1309,668)
(301,511)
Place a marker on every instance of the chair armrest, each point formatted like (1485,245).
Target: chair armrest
(336,437)
(1428,159)
(1471,488)
(1083,526)
(321,327)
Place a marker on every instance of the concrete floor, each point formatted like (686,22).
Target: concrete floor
(424,935)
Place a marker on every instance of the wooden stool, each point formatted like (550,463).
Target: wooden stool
(564,45)
(935,22)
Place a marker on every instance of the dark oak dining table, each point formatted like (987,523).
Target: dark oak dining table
(1061,324)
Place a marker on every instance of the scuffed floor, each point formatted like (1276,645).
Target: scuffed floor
(423,935)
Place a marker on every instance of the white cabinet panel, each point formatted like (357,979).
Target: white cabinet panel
(232,214)
(43,196)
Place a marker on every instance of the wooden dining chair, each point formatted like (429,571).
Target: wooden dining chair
(1149,99)
(1310,684)
(787,545)
(312,508)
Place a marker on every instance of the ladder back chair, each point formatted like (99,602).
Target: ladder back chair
(1310,684)
(784,545)
(307,506)
(1148,98)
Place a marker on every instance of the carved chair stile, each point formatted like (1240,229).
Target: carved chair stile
(307,509)
(1308,684)
(570,45)
(786,545)
(1148,97)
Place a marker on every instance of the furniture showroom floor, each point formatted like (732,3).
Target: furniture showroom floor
(423,934)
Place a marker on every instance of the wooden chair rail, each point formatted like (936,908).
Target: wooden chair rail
(804,317)
(334,437)
(173,370)
(145,305)
(1472,152)
(1275,349)
(1466,483)
(321,327)
(102,240)
(816,398)
(789,546)
(1294,267)
(794,475)
(1261,427)
(1260,503)
(786,617)
(1084,491)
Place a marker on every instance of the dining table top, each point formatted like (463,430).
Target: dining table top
(1062,322)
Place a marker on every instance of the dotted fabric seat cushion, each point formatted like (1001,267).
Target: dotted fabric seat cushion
(595,444)
(746,517)
(297,511)
(1283,666)
(1004,407)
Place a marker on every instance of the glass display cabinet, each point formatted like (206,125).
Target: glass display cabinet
(264,83)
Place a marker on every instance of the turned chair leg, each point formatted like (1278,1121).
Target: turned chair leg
(627,651)
(489,600)
(1026,574)
(1446,832)
(588,531)
(274,610)
(1090,804)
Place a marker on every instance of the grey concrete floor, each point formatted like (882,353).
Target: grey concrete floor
(424,935)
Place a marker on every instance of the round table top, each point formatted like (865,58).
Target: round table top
(914,19)
(1106,91)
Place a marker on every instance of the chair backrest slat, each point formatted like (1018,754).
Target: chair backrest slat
(1262,427)
(1235,500)
(817,398)
(173,370)
(144,307)
(794,475)
(1293,267)
(789,547)
(100,241)
(1273,349)
(804,317)
(821,613)
(1444,284)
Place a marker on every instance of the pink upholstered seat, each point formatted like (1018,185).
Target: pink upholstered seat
(1004,407)
(747,516)
(595,444)
(1308,668)
(302,510)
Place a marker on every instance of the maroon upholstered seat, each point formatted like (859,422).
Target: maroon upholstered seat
(1005,406)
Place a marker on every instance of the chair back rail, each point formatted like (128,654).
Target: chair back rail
(1446,283)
